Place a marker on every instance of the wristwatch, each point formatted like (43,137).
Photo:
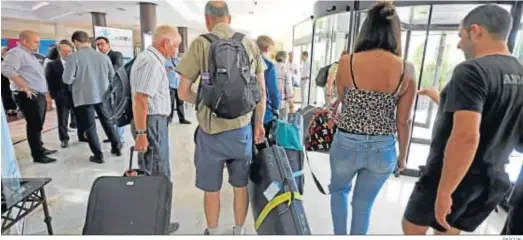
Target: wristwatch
(141,132)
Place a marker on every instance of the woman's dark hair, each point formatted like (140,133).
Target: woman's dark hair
(381,29)
(53,53)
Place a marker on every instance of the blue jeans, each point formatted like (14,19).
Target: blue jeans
(121,132)
(373,160)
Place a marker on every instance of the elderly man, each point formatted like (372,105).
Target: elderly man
(30,91)
(221,141)
(152,103)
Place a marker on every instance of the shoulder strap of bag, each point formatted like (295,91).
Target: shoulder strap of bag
(211,37)
(316,181)
(238,36)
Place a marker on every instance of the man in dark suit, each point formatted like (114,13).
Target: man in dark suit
(105,47)
(117,60)
(61,92)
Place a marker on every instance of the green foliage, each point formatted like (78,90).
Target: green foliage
(429,70)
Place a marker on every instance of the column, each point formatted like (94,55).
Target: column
(147,20)
(98,19)
(184,44)
(59,32)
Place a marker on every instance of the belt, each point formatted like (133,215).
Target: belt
(16,92)
(360,134)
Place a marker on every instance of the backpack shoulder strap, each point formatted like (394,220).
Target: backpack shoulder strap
(210,37)
(238,36)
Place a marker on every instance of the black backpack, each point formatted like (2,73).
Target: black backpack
(323,75)
(117,101)
(228,88)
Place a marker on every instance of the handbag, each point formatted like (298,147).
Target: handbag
(322,129)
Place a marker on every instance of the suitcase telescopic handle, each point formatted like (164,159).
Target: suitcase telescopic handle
(131,158)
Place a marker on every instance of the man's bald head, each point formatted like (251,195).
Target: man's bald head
(29,39)
(166,40)
(216,12)
(26,34)
(217,9)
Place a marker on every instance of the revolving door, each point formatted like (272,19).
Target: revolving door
(429,40)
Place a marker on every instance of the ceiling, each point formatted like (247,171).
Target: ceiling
(269,16)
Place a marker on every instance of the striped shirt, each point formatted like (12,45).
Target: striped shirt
(148,76)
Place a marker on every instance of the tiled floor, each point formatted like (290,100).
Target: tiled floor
(73,176)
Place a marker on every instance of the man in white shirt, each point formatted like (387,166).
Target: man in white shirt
(152,103)
(293,69)
(305,77)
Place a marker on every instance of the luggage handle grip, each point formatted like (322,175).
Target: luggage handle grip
(135,172)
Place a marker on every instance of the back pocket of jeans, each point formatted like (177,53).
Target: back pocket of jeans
(383,161)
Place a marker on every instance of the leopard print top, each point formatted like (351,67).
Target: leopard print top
(369,112)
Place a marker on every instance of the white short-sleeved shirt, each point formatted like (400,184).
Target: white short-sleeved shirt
(148,76)
(305,71)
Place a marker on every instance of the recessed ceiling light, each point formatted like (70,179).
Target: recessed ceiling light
(39,5)
(62,15)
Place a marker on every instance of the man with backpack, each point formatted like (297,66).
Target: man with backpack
(151,101)
(231,89)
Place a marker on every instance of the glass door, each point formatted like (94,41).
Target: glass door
(416,42)
(330,40)
(432,47)
(302,42)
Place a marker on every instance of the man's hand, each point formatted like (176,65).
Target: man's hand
(141,143)
(28,91)
(442,209)
(430,92)
(49,101)
(259,134)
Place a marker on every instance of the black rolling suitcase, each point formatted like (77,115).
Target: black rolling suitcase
(135,204)
(275,199)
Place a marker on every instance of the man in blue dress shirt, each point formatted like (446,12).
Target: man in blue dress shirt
(174,81)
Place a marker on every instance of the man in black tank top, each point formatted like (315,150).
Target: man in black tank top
(478,125)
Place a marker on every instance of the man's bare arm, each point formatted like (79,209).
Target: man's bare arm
(184,90)
(460,150)
(261,106)
(140,111)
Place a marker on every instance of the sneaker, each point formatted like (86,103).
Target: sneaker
(173,227)
(206,232)
(236,231)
